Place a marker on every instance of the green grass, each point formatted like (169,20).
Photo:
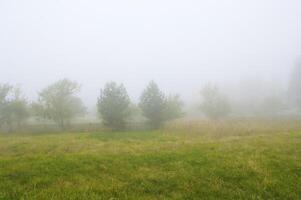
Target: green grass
(150,165)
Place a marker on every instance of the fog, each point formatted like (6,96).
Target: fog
(181,45)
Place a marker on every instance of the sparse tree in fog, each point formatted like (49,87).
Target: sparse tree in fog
(19,108)
(214,105)
(59,103)
(5,91)
(174,107)
(295,85)
(153,104)
(113,105)
(13,107)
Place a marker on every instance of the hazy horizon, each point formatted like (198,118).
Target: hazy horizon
(180,45)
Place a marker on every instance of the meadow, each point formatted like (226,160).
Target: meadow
(184,160)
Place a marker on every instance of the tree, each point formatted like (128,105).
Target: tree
(174,107)
(295,85)
(5,91)
(214,105)
(113,105)
(18,108)
(13,107)
(59,103)
(153,105)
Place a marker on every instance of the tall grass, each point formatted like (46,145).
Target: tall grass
(233,127)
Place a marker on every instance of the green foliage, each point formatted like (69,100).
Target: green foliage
(158,108)
(13,107)
(113,105)
(215,105)
(174,107)
(5,90)
(153,105)
(135,113)
(19,108)
(58,102)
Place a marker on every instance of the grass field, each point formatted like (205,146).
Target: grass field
(163,164)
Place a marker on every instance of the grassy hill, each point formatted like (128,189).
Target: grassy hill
(161,164)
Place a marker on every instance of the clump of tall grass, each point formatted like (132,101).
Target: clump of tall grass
(233,127)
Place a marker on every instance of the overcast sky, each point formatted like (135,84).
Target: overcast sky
(179,44)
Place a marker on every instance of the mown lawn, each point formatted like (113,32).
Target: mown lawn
(150,165)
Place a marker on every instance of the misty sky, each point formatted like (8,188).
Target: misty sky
(179,44)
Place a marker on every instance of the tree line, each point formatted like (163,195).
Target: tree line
(59,103)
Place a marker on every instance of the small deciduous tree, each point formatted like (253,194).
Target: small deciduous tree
(113,105)
(13,107)
(4,101)
(59,103)
(19,108)
(214,105)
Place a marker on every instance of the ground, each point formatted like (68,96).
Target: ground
(150,165)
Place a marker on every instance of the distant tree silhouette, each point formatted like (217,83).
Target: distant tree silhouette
(13,107)
(113,105)
(153,104)
(214,105)
(59,103)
